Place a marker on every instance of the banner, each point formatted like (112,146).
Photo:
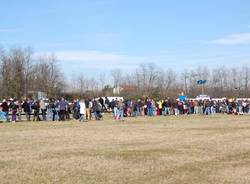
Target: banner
(182,98)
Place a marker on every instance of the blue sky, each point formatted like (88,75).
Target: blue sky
(101,35)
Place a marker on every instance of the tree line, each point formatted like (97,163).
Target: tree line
(221,81)
(21,72)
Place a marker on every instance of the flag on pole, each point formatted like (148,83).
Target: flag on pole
(201,82)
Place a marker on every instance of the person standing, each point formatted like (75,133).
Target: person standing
(196,107)
(101,101)
(27,109)
(36,107)
(139,107)
(165,106)
(135,108)
(76,109)
(43,109)
(82,110)
(149,107)
(114,107)
(159,103)
(87,113)
(68,111)
(62,105)
(52,113)
(14,107)
(97,108)
(176,109)
(107,103)
(2,115)
(121,107)
(5,109)
(207,106)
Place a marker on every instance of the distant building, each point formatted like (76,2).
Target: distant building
(117,90)
(37,94)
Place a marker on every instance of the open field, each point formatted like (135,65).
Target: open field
(140,150)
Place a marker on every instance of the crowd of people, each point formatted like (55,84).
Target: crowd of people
(92,109)
(51,110)
(177,107)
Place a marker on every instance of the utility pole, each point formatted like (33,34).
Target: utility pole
(202,89)
(202,84)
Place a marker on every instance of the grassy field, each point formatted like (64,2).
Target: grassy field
(189,149)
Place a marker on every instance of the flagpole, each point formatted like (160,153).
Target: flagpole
(202,89)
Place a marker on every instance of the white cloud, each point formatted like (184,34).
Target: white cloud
(91,56)
(234,39)
(97,59)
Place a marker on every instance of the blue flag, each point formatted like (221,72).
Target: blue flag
(200,82)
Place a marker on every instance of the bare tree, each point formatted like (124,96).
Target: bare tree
(246,77)
(102,79)
(166,82)
(117,77)
(21,72)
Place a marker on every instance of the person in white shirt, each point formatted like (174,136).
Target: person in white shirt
(82,110)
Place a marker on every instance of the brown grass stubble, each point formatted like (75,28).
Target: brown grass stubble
(187,149)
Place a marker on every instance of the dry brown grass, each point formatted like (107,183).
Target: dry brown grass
(140,150)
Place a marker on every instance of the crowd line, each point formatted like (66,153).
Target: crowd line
(13,110)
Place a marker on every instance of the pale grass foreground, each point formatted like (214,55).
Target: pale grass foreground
(188,149)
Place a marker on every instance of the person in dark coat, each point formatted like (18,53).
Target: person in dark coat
(27,109)
(107,103)
(36,107)
(14,107)
(101,101)
(63,106)
(52,110)
(97,107)
(76,109)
